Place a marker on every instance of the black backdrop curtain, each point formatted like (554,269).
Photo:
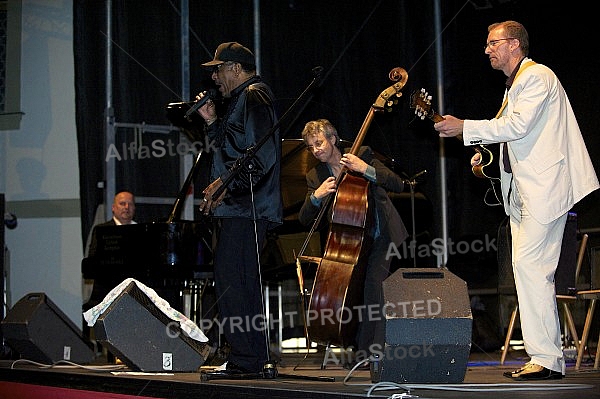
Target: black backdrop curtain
(357,46)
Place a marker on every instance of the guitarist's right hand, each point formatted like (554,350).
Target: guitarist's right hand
(476,159)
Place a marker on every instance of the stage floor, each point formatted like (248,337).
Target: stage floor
(297,378)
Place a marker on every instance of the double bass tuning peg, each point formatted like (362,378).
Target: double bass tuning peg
(392,101)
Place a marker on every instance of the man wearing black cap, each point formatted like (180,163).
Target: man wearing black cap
(250,204)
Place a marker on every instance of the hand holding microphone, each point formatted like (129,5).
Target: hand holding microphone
(205,97)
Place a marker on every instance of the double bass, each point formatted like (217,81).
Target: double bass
(332,315)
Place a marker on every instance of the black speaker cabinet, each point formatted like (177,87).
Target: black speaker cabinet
(136,331)
(428,325)
(38,330)
(564,278)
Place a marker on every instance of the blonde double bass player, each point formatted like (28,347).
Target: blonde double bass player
(350,187)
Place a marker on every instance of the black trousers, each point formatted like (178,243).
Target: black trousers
(239,291)
(372,322)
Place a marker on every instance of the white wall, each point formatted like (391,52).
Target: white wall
(39,163)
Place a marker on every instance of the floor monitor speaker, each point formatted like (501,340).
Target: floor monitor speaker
(137,332)
(39,331)
(428,325)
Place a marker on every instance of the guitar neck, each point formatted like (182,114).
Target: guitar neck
(435,117)
(421,102)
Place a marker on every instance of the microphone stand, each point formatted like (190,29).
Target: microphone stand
(180,200)
(243,162)
(412,182)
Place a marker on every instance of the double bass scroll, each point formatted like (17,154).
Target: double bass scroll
(339,280)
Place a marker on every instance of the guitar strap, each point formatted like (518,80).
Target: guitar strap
(525,65)
(505,159)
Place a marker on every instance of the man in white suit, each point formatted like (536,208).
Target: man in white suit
(546,169)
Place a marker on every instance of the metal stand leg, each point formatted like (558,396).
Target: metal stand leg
(326,356)
(511,327)
(272,321)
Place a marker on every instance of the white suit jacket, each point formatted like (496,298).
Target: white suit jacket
(550,163)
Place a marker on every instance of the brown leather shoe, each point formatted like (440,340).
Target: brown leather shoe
(531,372)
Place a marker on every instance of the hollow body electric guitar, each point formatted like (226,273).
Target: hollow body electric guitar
(421,102)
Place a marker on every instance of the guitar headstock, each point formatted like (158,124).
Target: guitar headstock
(389,97)
(420,100)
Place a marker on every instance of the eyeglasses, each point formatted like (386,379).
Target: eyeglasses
(316,145)
(217,68)
(494,43)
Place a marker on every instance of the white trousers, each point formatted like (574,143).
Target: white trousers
(535,254)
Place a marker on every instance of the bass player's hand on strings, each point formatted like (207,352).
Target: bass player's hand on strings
(353,163)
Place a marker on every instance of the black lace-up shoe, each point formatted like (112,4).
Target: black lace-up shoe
(231,371)
(532,372)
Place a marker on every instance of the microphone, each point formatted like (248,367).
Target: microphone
(208,95)
(317,71)
(413,180)
(419,174)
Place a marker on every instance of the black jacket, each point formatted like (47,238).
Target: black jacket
(250,116)
(391,226)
